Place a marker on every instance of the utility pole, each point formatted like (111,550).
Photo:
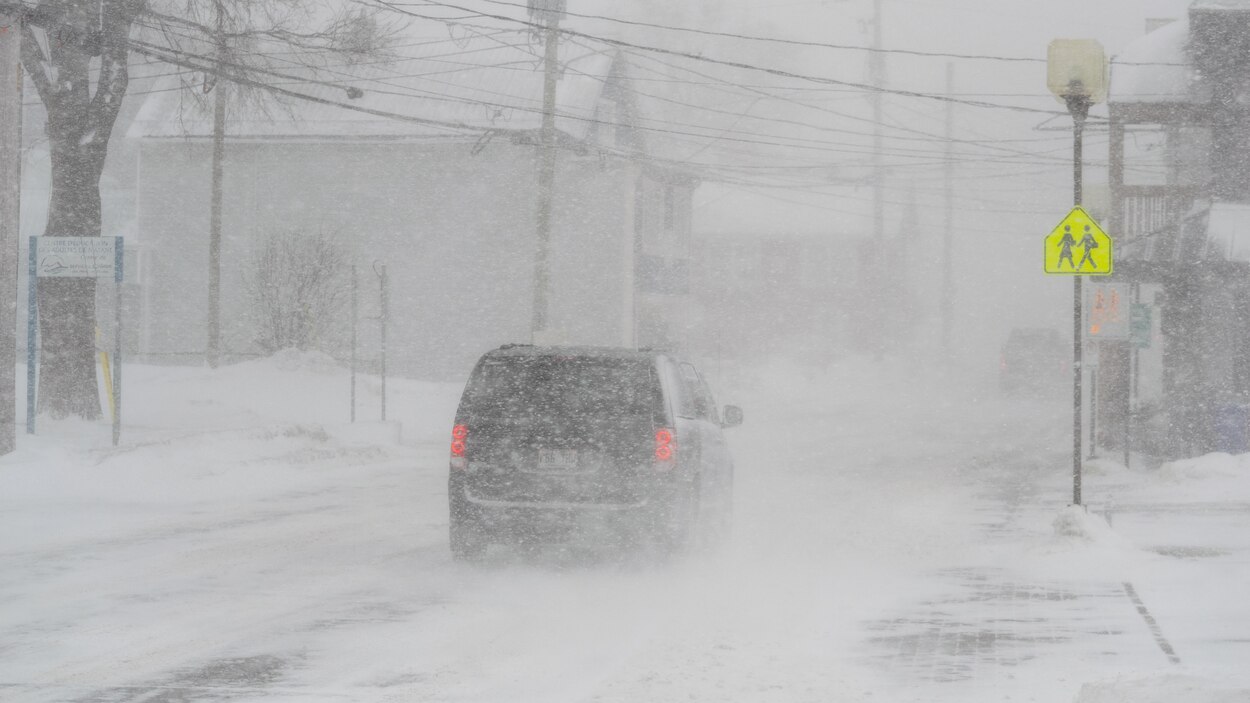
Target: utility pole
(10,219)
(213,352)
(948,278)
(876,78)
(547,13)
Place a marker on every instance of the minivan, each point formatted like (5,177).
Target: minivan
(587,444)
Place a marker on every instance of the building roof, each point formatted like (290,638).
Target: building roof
(1155,69)
(1218,5)
(444,87)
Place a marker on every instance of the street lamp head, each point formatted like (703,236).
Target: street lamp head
(1076,71)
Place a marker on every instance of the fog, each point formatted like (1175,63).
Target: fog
(751,211)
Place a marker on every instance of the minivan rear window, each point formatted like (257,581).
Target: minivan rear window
(563,387)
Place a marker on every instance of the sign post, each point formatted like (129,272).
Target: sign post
(74,257)
(10,222)
(1079,247)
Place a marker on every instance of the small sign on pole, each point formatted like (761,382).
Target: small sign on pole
(77,257)
(1141,322)
(1107,311)
(74,257)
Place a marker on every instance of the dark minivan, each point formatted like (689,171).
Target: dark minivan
(588,444)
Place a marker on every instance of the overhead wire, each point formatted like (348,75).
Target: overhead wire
(792,42)
(724,62)
(207,64)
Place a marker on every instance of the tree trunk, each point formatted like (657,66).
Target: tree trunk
(67,318)
(84,44)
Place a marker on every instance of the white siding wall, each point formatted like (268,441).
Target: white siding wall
(455,230)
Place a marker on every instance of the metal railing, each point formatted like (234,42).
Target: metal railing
(1149,216)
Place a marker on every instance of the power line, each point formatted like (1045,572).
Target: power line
(929,135)
(209,66)
(172,56)
(800,42)
(734,64)
(788,42)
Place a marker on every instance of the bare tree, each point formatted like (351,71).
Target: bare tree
(298,284)
(76,53)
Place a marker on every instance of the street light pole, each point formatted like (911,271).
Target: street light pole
(1078,106)
(1076,72)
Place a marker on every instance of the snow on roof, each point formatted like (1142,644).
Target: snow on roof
(1155,68)
(1220,5)
(459,87)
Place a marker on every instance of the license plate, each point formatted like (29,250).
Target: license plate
(557,459)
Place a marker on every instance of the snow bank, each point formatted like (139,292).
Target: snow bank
(297,360)
(1215,465)
(1074,526)
(1162,689)
(1103,468)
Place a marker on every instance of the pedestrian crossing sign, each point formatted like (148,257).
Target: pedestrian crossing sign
(1078,247)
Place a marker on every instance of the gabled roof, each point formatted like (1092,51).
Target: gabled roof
(449,88)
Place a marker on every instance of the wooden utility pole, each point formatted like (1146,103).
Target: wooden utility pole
(876,78)
(213,352)
(948,278)
(547,13)
(880,287)
(10,220)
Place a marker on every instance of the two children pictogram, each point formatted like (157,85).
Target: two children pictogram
(1088,243)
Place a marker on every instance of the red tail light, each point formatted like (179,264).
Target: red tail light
(459,437)
(665,448)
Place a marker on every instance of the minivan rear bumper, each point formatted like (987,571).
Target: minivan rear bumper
(553,505)
(552,522)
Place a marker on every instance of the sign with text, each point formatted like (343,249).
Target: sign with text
(1107,311)
(78,257)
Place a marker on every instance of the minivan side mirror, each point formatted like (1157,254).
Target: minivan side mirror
(732,417)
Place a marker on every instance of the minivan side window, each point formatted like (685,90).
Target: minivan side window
(685,393)
(696,400)
(708,401)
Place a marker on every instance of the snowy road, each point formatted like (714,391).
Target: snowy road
(280,555)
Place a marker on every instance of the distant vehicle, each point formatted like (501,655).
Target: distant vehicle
(1035,359)
(575,444)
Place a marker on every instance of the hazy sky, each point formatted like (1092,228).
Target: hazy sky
(1001,211)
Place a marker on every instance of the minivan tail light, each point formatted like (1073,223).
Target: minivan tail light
(459,439)
(665,447)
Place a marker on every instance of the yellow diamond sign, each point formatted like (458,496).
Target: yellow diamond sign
(1078,247)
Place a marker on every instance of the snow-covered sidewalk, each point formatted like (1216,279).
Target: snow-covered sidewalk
(1137,596)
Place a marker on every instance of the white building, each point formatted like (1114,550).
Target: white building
(451,211)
